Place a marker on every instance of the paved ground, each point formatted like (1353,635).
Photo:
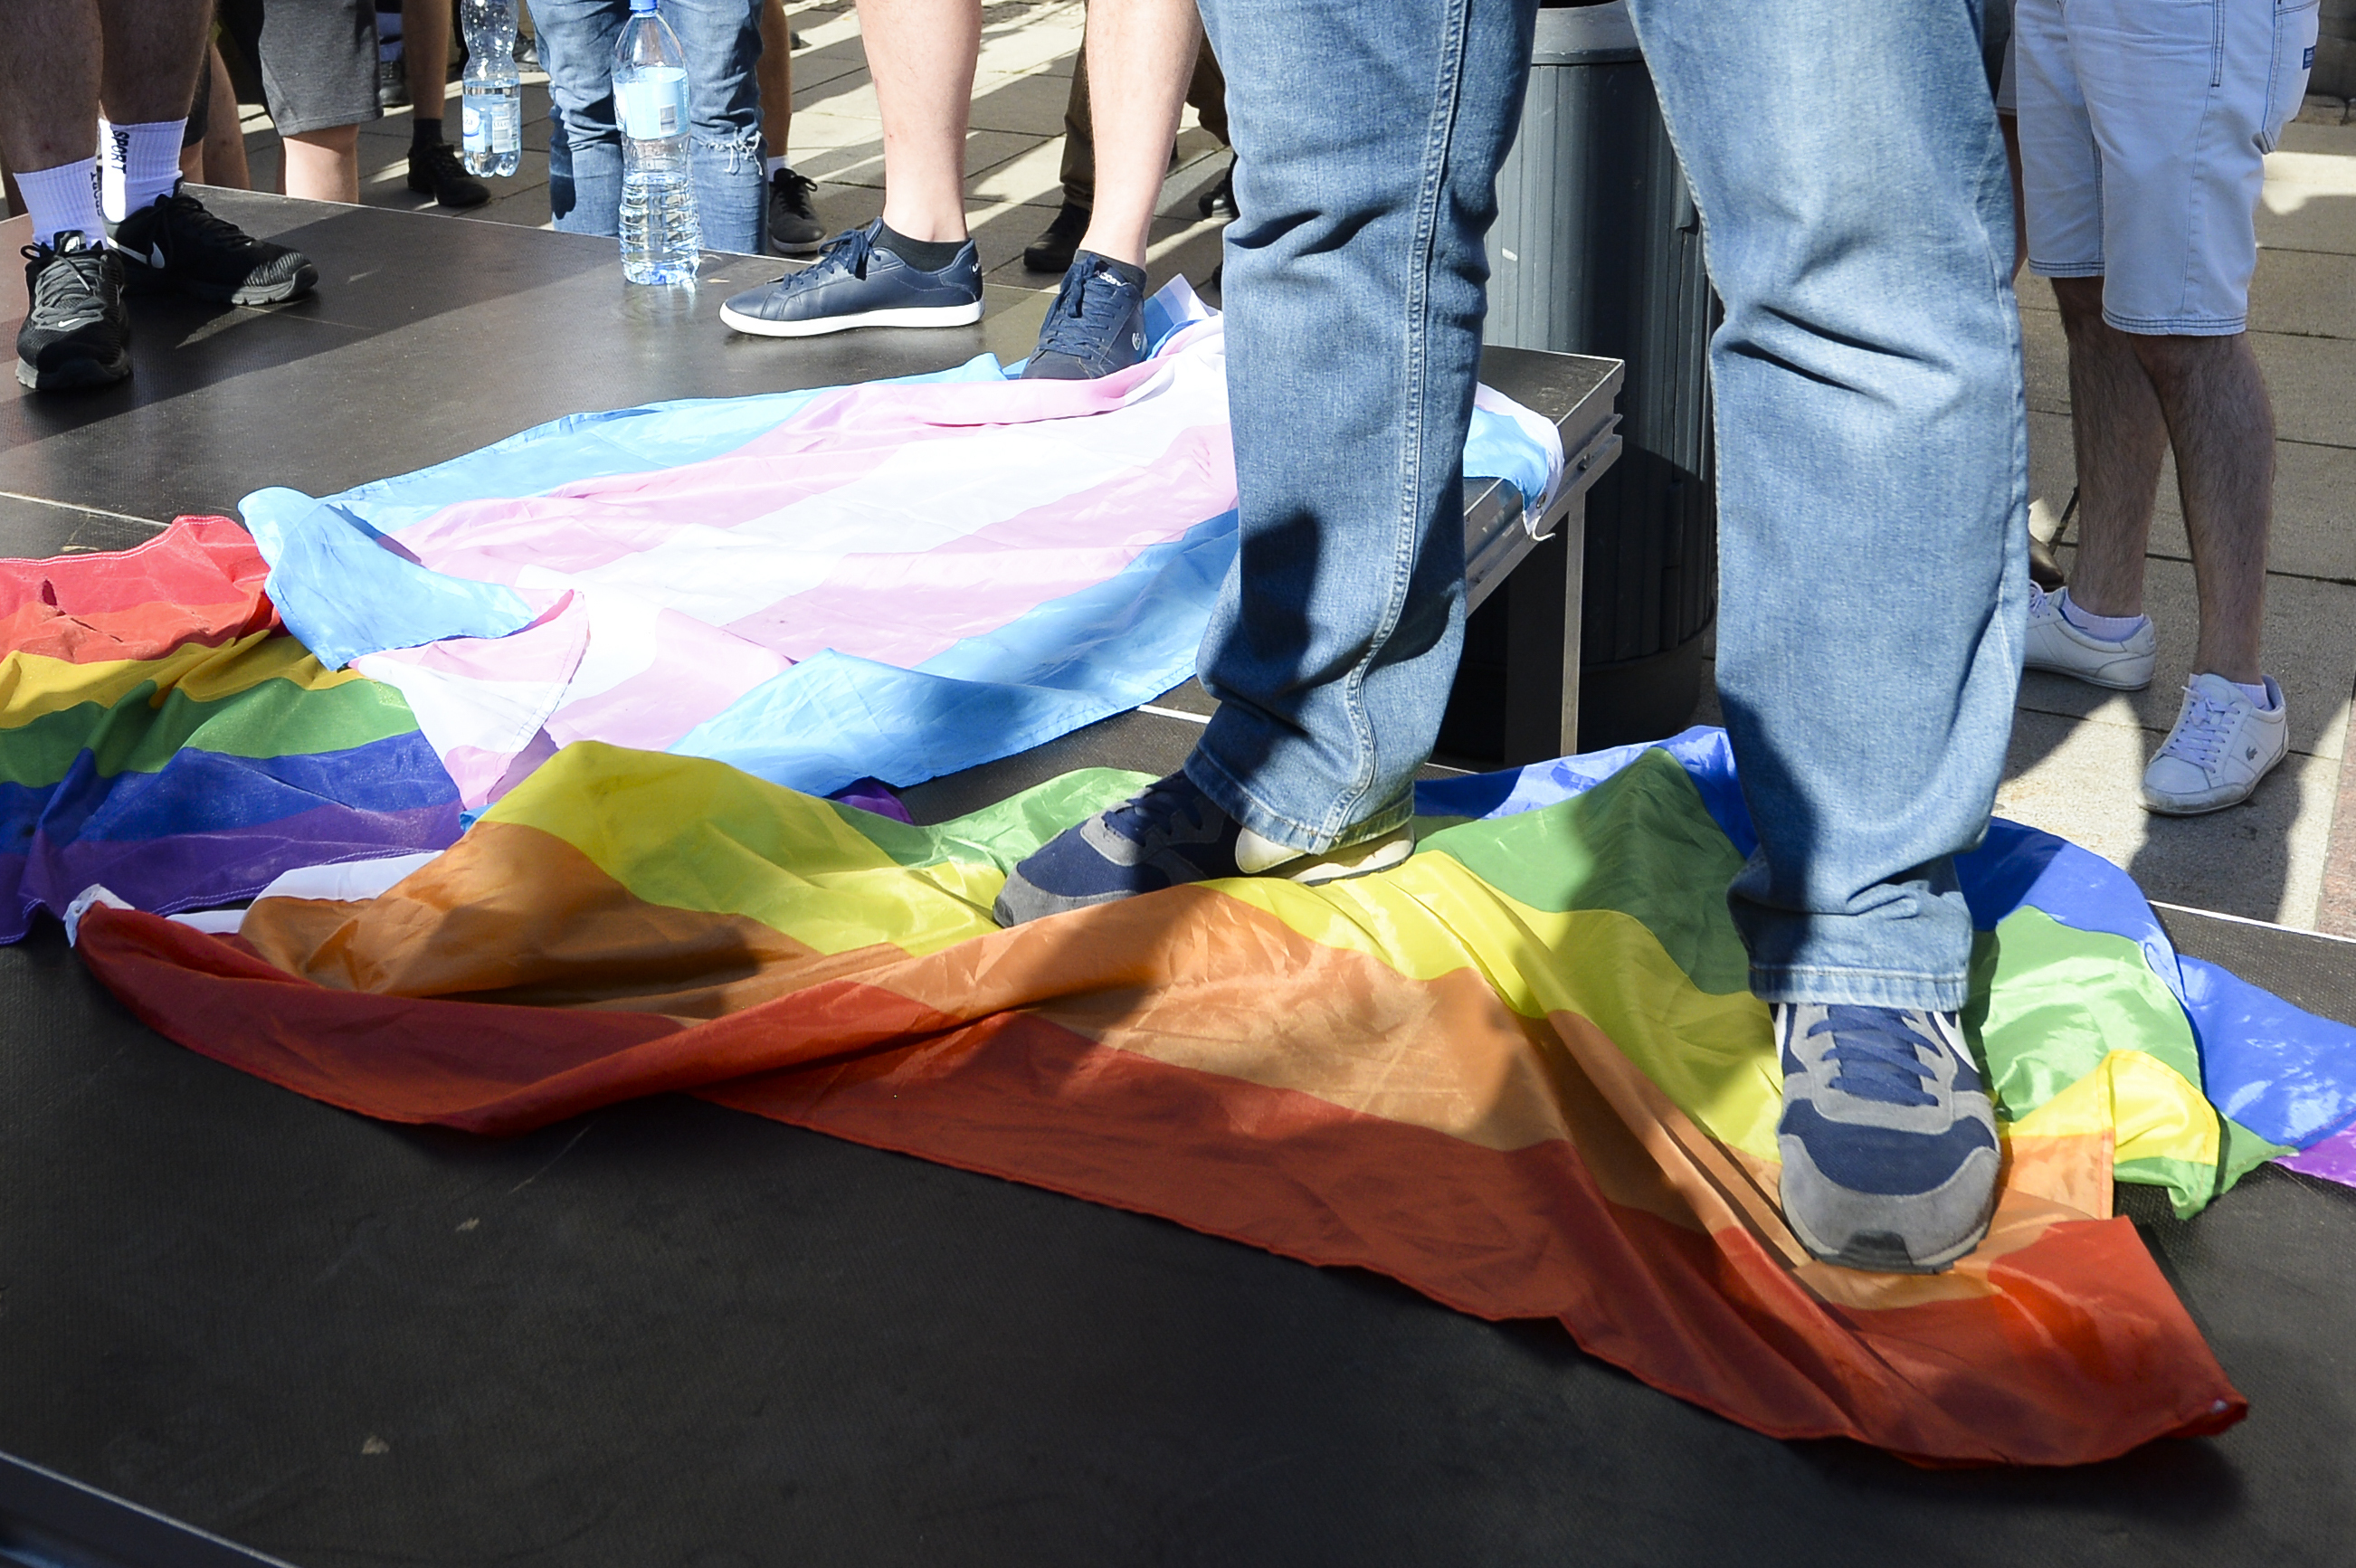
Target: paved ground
(2288,856)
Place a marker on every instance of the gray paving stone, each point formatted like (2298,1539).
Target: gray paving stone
(2263,859)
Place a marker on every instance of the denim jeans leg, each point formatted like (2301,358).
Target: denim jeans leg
(722,40)
(1368,141)
(584,146)
(1872,468)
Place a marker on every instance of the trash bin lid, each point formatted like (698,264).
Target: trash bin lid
(1585,35)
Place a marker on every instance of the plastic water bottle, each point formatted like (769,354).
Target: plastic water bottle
(492,100)
(661,240)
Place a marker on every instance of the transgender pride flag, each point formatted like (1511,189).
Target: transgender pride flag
(893,580)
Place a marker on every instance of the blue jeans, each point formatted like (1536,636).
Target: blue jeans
(1872,426)
(1367,139)
(722,40)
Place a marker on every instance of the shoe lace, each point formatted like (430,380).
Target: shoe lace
(1150,813)
(185,219)
(1874,1053)
(2202,730)
(795,188)
(69,280)
(1067,329)
(847,253)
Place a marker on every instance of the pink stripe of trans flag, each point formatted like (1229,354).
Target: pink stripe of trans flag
(836,443)
(904,609)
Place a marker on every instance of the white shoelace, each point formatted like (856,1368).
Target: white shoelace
(2202,731)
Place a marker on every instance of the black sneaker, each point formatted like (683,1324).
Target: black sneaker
(1052,251)
(391,83)
(793,228)
(176,245)
(434,170)
(1219,201)
(76,332)
(1097,325)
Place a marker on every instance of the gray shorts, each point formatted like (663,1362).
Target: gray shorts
(316,59)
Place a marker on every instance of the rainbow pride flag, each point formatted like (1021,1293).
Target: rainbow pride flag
(160,733)
(1521,1073)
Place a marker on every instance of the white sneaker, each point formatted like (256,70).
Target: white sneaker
(2055,645)
(2222,745)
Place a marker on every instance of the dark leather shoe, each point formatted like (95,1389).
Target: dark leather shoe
(1219,201)
(1052,251)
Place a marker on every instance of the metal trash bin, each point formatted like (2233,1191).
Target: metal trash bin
(1597,250)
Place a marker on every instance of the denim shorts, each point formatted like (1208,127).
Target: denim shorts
(2144,130)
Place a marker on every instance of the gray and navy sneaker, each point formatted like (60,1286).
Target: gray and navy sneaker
(174,244)
(1097,325)
(854,283)
(1888,1137)
(76,333)
(1169,834)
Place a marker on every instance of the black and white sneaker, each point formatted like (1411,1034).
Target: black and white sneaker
(793,228)
(174,243)
(76,333)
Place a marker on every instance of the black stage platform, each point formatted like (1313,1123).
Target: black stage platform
(669,1334)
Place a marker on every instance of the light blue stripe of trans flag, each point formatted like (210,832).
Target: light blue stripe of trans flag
(1058,666)
(2279,1070)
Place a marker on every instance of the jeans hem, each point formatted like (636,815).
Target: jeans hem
(1860,987)
(1212,777)
(2177,325)
(2065,269)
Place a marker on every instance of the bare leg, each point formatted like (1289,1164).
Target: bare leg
(776,74)
(49,84)
(2222,425)
(324,164)
(224,137)
(921,54)
(2120,436)
(2009,124)
(1140,59)
(425,54)
(152,48)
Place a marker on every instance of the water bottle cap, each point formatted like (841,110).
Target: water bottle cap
(641,7)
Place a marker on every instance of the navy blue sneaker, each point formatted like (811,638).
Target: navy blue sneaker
(1097,325)
(1170,835)
(855,283)
(1888,1137)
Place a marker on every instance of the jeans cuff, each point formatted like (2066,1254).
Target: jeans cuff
(1860,987)
(1231,797)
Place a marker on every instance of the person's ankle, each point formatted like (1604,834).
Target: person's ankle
(1113,248)
(2110,628)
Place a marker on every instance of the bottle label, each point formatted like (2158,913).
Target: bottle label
(654,106)
(507,127)
(477,132)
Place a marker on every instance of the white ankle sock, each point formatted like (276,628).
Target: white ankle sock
(2110,628)
(2257,695)
(771,167)
(63,201)
(143,162)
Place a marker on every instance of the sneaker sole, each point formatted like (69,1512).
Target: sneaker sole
(80,375)
(801,252)
(2088,677)
(905,316)
(427,189)
(2160,806)
(146,281)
